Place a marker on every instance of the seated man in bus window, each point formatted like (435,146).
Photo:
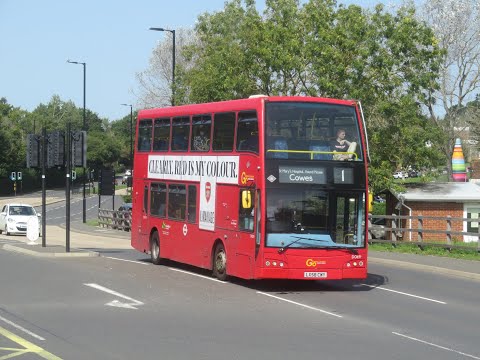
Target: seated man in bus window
(340,144)
(145,144)
(201,141)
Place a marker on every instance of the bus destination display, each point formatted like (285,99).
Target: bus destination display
(301,174)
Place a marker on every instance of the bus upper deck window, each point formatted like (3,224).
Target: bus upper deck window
(247,131)
(144,135)
(180,133)
(201,125)
(161,134)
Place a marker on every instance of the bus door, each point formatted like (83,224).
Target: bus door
(345,218)
(144,222)
(246,236)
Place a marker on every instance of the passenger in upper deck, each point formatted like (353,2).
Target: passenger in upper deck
(340,144)
(201,141)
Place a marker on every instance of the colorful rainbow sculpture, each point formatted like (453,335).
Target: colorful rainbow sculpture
(458,163)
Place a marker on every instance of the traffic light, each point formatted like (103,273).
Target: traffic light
(19,176)
(33,151)
(56,149)
(13,176)
(74,175)
(79,148)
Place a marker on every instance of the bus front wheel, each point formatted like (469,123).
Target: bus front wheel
(220,263)
(155,249)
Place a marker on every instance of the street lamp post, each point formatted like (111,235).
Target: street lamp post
(131,135)
(84,129)
(173,60)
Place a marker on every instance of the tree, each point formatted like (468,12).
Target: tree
(389,61)
(456,24)
(121,129)
(103,150)
(12,138)
(103,147)
(473,120)
(155,83)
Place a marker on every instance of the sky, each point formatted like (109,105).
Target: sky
(110,36)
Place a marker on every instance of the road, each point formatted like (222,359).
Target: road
(56,212)
(120,306)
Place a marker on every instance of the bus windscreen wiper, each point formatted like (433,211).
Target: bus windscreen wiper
(283,248)
(350,249)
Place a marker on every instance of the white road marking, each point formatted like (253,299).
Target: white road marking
(198,275)
(437,346)
(22,329)
(116,303)
(132,261)
(299,304)
(406,294)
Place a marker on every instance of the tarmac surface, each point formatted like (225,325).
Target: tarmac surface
(87,240)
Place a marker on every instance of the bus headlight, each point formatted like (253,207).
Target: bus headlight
(355,264)
(275,263)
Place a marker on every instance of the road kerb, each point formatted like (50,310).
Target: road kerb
(76,253)
(428,268)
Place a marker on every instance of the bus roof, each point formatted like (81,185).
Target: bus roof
(234,105)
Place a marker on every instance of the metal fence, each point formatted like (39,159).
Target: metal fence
(114,219)
(415,233)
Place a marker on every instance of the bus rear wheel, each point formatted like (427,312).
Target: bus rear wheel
(220,263)
(155,249)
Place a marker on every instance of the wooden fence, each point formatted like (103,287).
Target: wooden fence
(114,219)
(395,234)
(419,235)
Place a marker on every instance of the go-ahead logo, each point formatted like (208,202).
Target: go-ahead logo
(313,263)
(244,178)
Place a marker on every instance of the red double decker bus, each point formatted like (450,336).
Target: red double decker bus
(265,187)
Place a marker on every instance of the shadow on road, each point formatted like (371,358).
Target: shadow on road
(289,286)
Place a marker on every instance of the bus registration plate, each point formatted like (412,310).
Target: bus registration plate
(314,274)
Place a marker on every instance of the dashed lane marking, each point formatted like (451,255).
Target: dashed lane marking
(406,294)
(26,331)
(299,304)
(437,346)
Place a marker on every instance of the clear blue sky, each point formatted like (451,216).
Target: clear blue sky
(111,36)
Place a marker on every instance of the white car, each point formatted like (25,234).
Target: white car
(399,175)
(14,218)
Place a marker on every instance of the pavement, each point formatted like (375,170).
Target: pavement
(87,240)
(84,240)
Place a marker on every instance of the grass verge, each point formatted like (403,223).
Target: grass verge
(427,250)
(92,222)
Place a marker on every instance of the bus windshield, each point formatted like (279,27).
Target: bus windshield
(312,131)
(314,218)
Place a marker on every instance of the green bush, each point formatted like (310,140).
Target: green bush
(379,208)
